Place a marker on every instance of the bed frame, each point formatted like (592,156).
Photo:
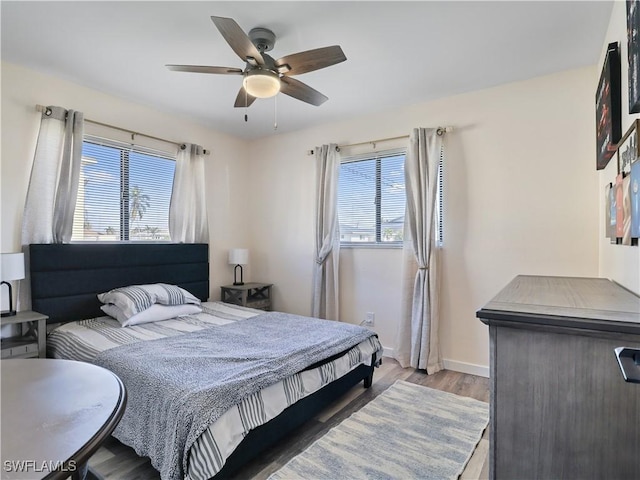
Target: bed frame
(65,279)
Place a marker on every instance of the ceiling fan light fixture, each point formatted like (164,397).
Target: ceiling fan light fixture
(261,83)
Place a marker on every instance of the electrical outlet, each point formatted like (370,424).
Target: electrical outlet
(370,319)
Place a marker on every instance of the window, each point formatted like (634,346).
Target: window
(124,193)
(372,199)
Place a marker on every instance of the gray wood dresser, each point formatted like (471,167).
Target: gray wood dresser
(560,407)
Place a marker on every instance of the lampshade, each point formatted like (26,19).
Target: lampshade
(238,256)
(261,83)
(12,266)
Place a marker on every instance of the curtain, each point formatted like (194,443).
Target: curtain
(188,222)
(417,343)
(324,301)
(53,186)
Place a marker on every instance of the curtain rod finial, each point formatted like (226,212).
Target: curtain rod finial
(442,130)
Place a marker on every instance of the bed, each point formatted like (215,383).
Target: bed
(65,280)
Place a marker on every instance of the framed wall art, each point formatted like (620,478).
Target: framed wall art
(619,194)
(634,192)
(608,107)
(610,212)
(633,50)
(626,209)
(628,149)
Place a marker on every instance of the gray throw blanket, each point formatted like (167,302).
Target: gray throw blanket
(178,386)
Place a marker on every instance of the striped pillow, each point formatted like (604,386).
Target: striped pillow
(174,295)
(137,298)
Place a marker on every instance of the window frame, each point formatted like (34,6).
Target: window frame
(439,213)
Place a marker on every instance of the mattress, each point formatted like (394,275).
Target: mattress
(83,340)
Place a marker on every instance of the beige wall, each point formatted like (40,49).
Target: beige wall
(618,262)
(519,199)
(226,168)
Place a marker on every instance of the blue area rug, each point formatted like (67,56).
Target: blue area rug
(406,432)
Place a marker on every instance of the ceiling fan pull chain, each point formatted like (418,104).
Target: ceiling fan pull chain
(275,112)
(246,106)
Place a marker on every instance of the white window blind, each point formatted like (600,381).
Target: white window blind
(124,192)
(439,213)
(371,199)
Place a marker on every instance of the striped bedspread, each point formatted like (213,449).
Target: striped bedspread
(84,340)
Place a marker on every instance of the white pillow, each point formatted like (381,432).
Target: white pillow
(138,298)
(155,313)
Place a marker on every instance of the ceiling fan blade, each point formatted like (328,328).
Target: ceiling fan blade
(205,69)
(296,89)
(310,60)
(243,99)
(237,39)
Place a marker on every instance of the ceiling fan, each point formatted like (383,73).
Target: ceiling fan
(263,76)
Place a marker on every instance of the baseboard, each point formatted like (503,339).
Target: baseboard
(464,367)
(454,365)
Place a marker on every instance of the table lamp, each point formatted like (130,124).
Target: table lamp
(12,269)
(238,257)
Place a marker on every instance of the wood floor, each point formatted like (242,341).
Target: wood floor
(115,461)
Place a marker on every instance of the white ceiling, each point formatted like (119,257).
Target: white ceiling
(398,53)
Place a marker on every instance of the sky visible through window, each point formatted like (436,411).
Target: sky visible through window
(150,184)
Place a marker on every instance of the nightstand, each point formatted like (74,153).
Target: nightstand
(254,295)
(32,340)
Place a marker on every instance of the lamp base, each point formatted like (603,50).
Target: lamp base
(235,275)
(11,312)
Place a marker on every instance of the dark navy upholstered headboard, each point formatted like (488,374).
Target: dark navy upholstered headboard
(65,278)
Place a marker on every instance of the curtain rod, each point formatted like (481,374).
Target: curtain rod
(182,146)
(439,131)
